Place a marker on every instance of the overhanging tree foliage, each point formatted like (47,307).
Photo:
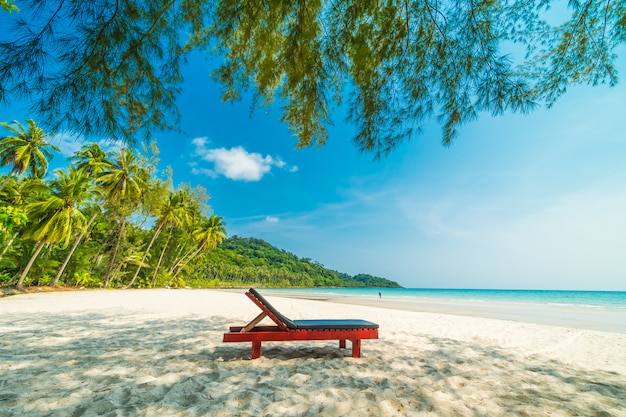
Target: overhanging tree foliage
(8,6)
(113,67)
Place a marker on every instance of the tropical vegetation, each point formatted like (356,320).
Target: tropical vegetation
(112,219)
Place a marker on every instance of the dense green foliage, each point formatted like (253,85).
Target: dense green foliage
(248,261)
(113,68)
(86,225)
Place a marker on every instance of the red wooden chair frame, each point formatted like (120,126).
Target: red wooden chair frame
(286,329)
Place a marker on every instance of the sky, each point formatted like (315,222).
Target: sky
(534,201)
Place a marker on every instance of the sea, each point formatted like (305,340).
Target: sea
(592,310)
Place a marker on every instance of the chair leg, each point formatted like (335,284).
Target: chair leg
(256,350)
(356,348)
(342,344)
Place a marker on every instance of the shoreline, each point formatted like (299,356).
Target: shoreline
(613,321)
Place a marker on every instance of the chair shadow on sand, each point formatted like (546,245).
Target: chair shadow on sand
(281,353)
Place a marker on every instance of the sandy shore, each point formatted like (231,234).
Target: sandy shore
(160,353)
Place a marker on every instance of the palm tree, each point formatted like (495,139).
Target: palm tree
(175,212)
(184,237)
(208,235)
(91,160)
(83,191)
(54,218)
(26,150)
(122,184)
(188,209)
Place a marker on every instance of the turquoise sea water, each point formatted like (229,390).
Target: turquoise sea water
(584,299)
(595,310)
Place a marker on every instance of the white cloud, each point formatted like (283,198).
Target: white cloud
(111,144)
(272,219)
(238,164)
(200,142)
(235,163)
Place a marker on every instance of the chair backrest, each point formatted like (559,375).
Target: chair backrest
(282,321)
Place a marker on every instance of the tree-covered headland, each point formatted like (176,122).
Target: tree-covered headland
(246,261)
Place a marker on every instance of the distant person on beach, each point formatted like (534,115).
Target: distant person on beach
(380,295)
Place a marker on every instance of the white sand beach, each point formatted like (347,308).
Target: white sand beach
(160,353)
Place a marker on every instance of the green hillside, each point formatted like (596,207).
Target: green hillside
(254,262)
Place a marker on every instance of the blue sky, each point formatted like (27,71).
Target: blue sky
(532,201)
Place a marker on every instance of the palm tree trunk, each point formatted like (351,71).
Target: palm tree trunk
(20,282)
(193,255)
(74,246)
(107,279)
(181,260)
(8,245)
(179,249)
(156,269)
(145,254)
(6,180)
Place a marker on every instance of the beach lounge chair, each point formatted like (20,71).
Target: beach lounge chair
(287,329)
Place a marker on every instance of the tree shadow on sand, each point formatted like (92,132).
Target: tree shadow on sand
(107,364)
